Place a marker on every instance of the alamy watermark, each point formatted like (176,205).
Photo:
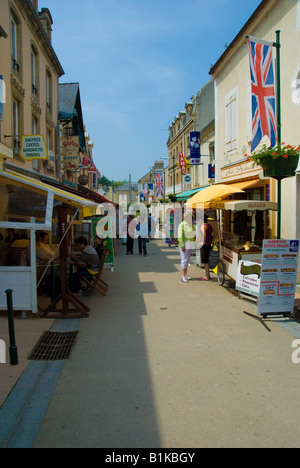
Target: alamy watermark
(164,219)
(2,352)
(296,353)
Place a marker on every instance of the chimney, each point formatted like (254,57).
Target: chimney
(46,20)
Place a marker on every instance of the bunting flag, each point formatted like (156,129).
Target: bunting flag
(263,91)
(159,182)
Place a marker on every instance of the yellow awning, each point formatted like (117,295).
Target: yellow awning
(248,184)
(214,192)
(59,194)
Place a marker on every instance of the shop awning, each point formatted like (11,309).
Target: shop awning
(213,192)
(188,194)
(247,184)
(247,205)
(59,194)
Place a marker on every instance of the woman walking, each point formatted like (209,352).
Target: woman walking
(186,241)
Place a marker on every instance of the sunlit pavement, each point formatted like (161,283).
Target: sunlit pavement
(164,364)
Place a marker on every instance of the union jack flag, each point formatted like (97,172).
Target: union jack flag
(263,92)
(159,182)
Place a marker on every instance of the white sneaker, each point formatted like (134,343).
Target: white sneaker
(184,280)
(188,278)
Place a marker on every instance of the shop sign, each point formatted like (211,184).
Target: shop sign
(71,153)
(182,163)
(278,276)
(33,147)
(248,277)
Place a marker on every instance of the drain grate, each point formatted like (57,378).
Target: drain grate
(53,346)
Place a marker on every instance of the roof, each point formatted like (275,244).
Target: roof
(44,36)
(242,33)
(68,95)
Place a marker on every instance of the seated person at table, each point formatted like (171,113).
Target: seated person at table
(99,246)
(88,264)
(45,243)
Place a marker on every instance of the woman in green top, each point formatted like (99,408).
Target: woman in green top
(186,241)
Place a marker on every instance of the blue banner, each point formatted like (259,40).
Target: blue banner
(195,147)
(211,171)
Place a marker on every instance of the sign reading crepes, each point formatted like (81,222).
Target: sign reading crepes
(33,147)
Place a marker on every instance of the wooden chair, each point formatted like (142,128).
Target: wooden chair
(95,282)
(17,256)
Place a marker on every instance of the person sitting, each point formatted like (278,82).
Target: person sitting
(23,242)
(99,246)
(45,243)
(88,264)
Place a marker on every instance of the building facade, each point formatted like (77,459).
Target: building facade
(231,76)
(197,116)
(30,73)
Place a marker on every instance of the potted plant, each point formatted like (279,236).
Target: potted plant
(279,161)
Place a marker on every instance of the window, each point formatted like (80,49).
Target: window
(15,125)
(14,44)
(36,164)
(231,121)
(34,71)
(49,91)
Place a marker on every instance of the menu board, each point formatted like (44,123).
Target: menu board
(278,276)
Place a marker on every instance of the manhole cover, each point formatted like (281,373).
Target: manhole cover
(53,346)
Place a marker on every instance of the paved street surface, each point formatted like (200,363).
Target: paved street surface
(163,364)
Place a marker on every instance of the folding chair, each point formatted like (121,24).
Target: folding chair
(95,281)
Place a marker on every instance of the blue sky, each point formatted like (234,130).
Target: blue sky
(137,63)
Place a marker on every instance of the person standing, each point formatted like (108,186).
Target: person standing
(131,228)
(186,241)
(142,229)
(206,248)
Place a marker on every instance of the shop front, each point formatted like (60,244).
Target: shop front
(27,206)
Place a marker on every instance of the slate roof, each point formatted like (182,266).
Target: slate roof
(68,94)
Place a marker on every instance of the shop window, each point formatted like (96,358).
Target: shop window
(19,204)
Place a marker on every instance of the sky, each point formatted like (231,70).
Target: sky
(137,63)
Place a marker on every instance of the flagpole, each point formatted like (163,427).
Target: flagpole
(278,106)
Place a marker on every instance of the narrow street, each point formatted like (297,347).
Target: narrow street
(163,364)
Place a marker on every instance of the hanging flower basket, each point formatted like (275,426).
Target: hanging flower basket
(280,161)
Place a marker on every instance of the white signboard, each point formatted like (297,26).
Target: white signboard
(278,276)
(33,147)
(248,277)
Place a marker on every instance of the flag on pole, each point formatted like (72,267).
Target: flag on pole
(159,182)
(263,91)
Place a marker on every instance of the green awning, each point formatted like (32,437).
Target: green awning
(189,193)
